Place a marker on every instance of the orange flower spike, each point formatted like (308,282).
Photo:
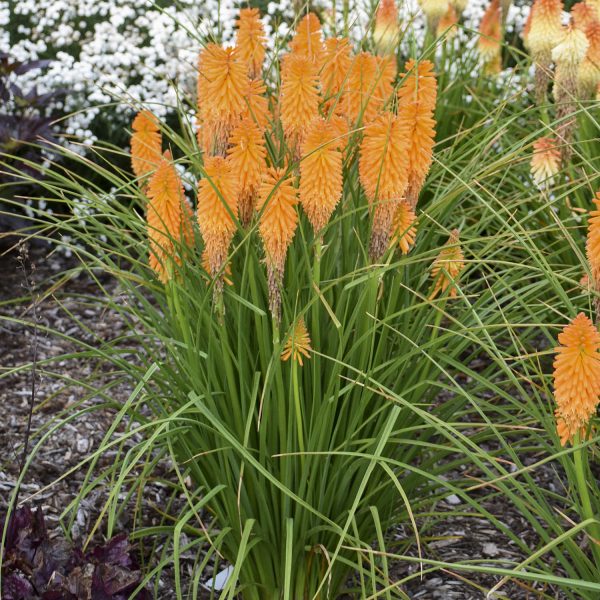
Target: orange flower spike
(490,34)
(168,218)
(434,10)
(383,171)
(545,161)
(320,173)
(336,66)
(146,144)
(588,74)
(447,267)
(297,344)
(416,105)
(299,97)
(360,89)
(250,40)
(447,25)
(257,104)
(340,130)
(386,34)
(544,33)
(583,15)
(576,376)
(593,241)
(277,226)
(217,202)
(307,40)
(246,156)
(224,83)
(545,30)
(405,231)
(459,5)
(385,74)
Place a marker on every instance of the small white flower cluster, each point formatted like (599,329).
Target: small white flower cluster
(104,51)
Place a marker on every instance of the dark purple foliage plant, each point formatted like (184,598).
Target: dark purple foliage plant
(36,566)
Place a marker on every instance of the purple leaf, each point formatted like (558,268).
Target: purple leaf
(16,587)
(114,552)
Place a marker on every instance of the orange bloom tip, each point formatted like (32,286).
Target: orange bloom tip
(576,376)
(545,161)
(297,344)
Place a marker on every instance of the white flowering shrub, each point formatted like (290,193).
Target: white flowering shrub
(128,53)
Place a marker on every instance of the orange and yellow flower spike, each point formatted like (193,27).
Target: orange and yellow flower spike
(246,155)
(405,231)
(386,34)
(146,145)
(434,10)
(320,173)
(545,161)
(250,41)
(489,43)
(576,376)
(416,105)
(543,34)
(257,105)
(222,86)
(593,242)
(360,94)
(383,170)
(297,343)
(447,267)
(588,74)
(447,25)
(278,221)
(583,15)
(335,68)
(169,219)
(217,208)
(299,98)
(307,40)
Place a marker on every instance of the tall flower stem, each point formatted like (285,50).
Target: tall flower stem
(315,330)
(298,410)
(581,469)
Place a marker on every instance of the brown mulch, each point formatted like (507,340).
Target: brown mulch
(455,539)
